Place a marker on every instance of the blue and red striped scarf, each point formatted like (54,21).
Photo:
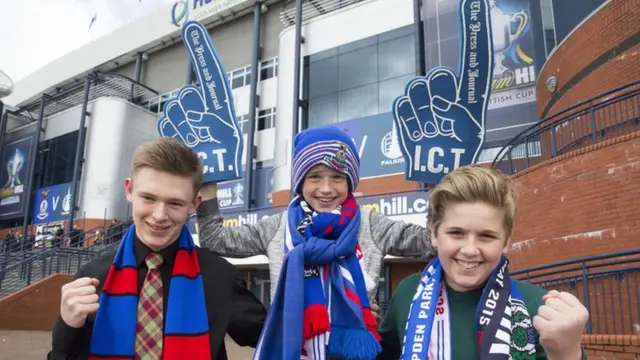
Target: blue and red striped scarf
(320,309)
(186,328)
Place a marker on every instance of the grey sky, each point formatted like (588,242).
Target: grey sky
(36,32)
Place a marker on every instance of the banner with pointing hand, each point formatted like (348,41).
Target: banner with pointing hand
(203,116)
(440,119)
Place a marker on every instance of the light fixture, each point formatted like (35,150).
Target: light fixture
(6,85)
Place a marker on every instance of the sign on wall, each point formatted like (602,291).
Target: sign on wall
(183,10)
(231,194)
(514,74)
(52,203)
(14,177)
(377,145)
(441,117)
(413,203)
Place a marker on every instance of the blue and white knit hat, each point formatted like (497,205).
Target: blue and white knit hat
(329,146)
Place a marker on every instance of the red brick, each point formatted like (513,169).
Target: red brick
(611,25)
(34,307)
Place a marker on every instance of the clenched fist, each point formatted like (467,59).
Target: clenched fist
(560,323)
(79,300)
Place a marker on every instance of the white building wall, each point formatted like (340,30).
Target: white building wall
(336,28)
(115,129)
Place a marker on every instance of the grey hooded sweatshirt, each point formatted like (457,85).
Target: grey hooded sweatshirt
(378,236)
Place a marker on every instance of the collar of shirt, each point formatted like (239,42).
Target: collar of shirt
(142,250)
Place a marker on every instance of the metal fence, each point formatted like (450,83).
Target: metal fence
(608,285)
(24,268)
(594,120)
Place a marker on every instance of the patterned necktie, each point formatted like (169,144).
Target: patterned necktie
(149,332)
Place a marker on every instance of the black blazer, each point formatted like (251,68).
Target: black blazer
(231,308)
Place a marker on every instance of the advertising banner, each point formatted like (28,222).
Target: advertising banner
(514,74)
(414,203)
(399,206)
(52,203)
(231,194)
(377,144)
(14,177)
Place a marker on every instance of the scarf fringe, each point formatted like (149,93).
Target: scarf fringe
(353,344)
(315,321)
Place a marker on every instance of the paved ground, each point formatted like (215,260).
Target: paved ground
(34,345)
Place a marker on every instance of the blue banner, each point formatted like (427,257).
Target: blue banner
(52,203)
(14,177)
(391,205)
(377,143)
(232,194)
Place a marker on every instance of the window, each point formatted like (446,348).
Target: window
(240,77)
(243,122)
(153,105)
(55,160)
(266,119)
(358,79)
(237,78)
(269,69)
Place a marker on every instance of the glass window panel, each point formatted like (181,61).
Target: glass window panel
(389,90)
(267,73)
(237,82)
(396,33)
(359,67)
(397,57)
(370,41)
(323,55)
(323,77)
(323,110)
(358,102)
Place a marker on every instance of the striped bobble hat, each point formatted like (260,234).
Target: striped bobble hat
(326,145)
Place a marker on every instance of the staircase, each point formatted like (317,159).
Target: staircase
(18,270)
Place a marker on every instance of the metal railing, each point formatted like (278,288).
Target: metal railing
(608,285)
(597,119)
(34,266)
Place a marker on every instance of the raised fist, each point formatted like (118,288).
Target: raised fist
(79,300)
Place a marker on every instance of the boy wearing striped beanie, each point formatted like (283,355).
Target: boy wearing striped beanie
(325,254)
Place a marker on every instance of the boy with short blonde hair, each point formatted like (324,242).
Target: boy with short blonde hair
(465,305)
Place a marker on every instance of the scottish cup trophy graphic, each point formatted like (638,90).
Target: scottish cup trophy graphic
(66,202)
(14,165)
(506,30)
(238,192)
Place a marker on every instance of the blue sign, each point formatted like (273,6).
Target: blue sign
(231,194)
(413,203)
(441,117)
(52,203)
(377,144)
(203,116)
(14,177)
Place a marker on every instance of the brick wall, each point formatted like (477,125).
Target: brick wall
(607,32)
(35,307)
(611,347)
(580,204)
